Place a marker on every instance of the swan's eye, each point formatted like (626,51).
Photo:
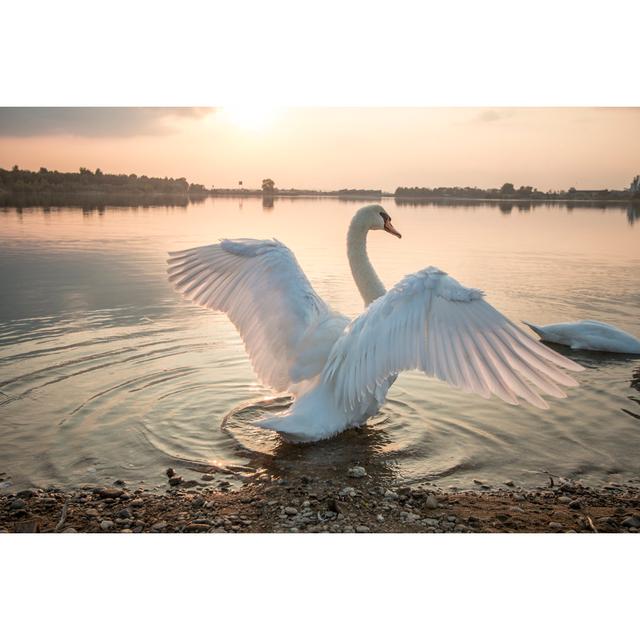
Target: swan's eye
(385,216)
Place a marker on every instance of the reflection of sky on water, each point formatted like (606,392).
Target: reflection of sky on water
(105,372)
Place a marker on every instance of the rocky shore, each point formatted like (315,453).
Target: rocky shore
(351,502)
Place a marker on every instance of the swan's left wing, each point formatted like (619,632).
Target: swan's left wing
(264,292)
(430,322)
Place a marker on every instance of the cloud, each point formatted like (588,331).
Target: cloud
(93,122)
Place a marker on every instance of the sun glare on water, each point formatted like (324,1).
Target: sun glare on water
(250,117)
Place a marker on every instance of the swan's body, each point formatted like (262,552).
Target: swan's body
(590,335)
(339,370)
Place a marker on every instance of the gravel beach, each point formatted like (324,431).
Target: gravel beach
(351,502)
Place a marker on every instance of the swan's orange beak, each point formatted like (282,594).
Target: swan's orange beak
(389,228)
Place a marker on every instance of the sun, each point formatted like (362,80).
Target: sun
(252,117)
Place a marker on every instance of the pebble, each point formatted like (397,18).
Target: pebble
(431,502)
(109,492)
(170,472)
(207,477)
(124,513)
(564,499)
(26,493)
(94,513)
(349,492)
(18,504)
(291,511)
(380,518)
(362,529)
(575,504)
(555,526)
(174,481)
(106,525)
(357,472)
(390,495)
(159,526)
(631,521)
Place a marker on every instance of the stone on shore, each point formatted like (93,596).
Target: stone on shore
(431,502)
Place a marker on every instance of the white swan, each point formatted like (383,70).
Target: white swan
(339,371)
(590,335)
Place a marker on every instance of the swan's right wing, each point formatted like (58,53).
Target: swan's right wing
(264,292)
(430,322)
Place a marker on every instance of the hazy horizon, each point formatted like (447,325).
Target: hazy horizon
(332,148)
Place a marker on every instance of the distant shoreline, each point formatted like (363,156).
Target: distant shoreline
(20,187)
(391,196)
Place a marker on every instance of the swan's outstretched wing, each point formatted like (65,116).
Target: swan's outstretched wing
(429,321)
(264,292)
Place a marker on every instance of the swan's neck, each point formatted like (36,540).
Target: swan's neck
(363,273)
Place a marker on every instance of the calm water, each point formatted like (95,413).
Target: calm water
(106,373)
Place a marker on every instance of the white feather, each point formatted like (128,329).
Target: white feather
(286,327)
(428,321)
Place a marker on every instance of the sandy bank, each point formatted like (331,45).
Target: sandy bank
(349,503)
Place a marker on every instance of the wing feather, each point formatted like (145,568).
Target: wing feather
(264,292)
(430,322)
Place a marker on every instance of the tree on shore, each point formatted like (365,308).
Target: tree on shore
(50,181)
(507,189)
(268,185)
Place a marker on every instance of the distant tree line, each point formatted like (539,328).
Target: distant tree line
(269,189)
(20,182)
(509,192)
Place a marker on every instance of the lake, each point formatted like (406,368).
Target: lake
(106,373)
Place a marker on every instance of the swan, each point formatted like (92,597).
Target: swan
(590,335)
(339,370)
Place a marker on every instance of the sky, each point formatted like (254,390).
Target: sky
(331,148)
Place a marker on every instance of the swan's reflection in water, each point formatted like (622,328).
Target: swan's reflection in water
(267,451)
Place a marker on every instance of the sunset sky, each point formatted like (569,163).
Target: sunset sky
(328,148)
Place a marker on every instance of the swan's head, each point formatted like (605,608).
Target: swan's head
(374,217)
